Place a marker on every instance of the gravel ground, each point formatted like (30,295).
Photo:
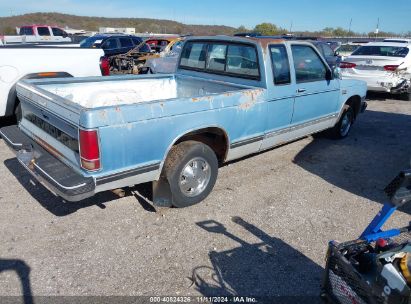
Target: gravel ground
(262,231)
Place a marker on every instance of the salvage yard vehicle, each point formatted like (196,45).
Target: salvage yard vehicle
(135,61)
(34,62)
(385,66)
(230,97)
(37,33)
(164,62)
(114,44)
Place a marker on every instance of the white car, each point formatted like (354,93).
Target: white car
(34,62)
(385,66)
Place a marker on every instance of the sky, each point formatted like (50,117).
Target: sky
(395,16)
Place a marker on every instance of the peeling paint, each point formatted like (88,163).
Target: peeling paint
(251,98)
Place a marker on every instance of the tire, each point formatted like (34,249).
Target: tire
(406,96)
(17,112)
(180,173)
(344,125)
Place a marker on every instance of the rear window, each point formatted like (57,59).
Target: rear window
(43,31)
(381,50)
(237,60)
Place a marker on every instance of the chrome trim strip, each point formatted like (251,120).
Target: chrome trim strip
(315,93)
(57,183)
(126,174)
(247,141)
(300,126)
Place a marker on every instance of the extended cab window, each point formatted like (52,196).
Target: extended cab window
(242,60)
(43,31)
(232,59)
(307,63)
(281,65)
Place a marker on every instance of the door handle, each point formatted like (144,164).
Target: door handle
(301,90)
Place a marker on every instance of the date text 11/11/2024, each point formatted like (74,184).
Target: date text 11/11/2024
(203,299)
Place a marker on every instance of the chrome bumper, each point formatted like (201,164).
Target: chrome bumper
(45,168)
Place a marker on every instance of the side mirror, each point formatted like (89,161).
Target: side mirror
(65,35)
(329,75)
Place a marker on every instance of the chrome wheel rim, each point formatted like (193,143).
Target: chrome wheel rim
(346,123)
(195,177)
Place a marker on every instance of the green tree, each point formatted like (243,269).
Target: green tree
(242,29)
(267,29)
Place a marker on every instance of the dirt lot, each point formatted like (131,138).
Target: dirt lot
(263,230)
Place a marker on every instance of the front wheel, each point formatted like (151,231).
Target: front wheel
(191,169)
(344,124)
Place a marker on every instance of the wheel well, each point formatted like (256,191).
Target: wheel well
(214,137)
(355,103)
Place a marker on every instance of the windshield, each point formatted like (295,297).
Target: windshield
(90,42)
(382,50)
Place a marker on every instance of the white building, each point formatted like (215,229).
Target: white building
(124,30)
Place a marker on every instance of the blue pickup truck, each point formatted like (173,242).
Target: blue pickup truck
(230,97)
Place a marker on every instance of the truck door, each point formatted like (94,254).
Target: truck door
(282,93)
(316,98)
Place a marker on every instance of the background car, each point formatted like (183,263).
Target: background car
(115,44)
(385,66)
(330,56)
(347,49)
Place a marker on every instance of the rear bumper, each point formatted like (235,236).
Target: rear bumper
(387,84)
(48,170)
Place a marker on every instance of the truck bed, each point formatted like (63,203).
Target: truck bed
(114,91)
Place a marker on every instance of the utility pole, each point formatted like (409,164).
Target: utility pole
(377,29)
(291,27)
(349,30)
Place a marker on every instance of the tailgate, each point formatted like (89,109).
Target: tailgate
(50,120)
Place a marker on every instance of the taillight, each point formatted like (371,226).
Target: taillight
(89,150)
(347,65)
(391,68)
(105,66)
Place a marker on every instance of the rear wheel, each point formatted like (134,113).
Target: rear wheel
(191,169)
(343,126)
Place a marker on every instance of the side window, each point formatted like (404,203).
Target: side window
(43,31)
(194,55)
(58,32)
(308,65)
(136,41)
(328,52)
(242,60)
(280,64)
(26,31)
(110,44)
(126,42)
(216,57)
